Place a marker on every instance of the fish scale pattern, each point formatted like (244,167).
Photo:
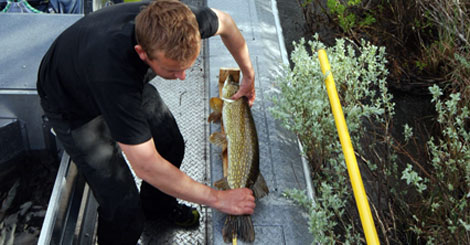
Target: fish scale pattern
(240,130)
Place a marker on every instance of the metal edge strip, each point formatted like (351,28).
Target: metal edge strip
(53,206)
(285,60)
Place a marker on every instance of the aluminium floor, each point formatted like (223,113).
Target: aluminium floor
(276,220)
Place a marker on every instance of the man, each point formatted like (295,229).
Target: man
(92,89)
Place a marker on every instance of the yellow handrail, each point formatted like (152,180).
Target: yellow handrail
(348,151)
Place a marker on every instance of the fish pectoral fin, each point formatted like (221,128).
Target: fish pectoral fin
(214,117)
(216,105)
(218,139)
(260,188)
(221,184)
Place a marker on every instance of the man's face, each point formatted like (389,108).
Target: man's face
(164,67)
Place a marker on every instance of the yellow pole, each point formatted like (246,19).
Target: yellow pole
(348,151)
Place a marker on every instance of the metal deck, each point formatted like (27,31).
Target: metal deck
(276,220)
(188,102)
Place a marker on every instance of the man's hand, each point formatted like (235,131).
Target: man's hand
(236,202)
(247,89)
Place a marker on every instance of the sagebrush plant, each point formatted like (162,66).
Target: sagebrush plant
(419,198)
(444,213)
(433,209)
(440,212)
(303,107)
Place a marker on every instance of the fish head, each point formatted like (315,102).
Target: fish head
(230,88)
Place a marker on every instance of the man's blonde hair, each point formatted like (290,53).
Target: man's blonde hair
(168,26)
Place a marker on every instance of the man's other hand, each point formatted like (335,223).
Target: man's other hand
(236,202)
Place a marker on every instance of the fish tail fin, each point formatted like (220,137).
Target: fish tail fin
(260,188)
(216,105)
(241,226)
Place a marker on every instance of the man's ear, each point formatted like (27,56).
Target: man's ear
(140,51)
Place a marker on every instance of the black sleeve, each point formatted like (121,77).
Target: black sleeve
(207,20)
(120,105)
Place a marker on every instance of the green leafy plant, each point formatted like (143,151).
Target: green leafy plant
(411,203)
(450,20)
(418,185)
(347,19)
(347,14)
(445,206)
(303,107)
(413,178)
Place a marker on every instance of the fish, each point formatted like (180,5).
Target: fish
(240,142)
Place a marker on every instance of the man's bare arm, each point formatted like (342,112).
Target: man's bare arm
(236,44)
(150,166)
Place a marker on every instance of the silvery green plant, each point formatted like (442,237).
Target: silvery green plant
(302,106)
(448,196)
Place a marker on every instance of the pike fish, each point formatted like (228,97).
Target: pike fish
(240,140)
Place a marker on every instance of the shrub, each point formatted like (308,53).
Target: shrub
(428,42)
(452,46)
(418,191)
(444,212)
(413,202)
(303,107)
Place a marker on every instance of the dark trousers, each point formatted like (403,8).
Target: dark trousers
(122,209)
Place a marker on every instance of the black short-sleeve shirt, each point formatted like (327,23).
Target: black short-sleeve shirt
(92,69)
